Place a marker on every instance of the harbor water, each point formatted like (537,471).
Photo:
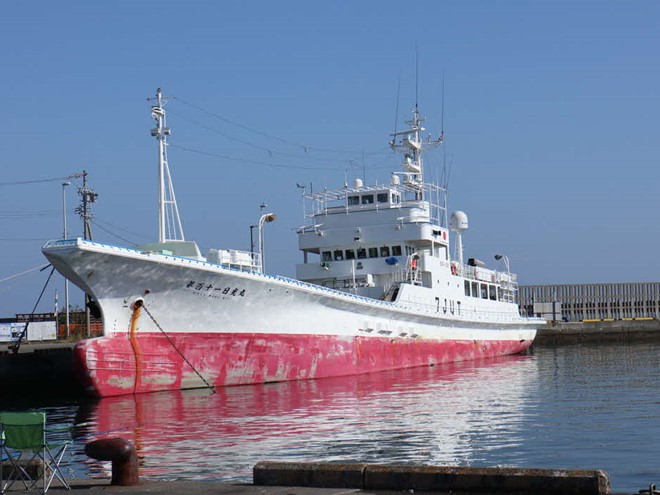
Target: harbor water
(591,406)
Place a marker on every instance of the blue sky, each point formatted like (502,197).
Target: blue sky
(551,122)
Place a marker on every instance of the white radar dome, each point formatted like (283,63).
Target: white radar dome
(396,180)
(458,222)
(357,183)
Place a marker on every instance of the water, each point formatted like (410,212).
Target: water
(580,407)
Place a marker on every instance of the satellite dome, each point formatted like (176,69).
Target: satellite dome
(458,222)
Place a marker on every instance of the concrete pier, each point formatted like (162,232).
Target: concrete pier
(444,479)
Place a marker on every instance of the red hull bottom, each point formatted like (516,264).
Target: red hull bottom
(117,365)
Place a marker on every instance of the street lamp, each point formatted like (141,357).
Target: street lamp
(265,218)
(508,288)
(66,280)
(506,262)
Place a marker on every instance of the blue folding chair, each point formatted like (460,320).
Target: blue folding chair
(22,432)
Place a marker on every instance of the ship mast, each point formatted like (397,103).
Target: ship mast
(169,223)
(410,143)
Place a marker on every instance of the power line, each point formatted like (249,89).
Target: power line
(37,181)
(22,214)
(24,240)
(40,267)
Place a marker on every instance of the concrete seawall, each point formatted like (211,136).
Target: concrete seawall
(39,370)
(633,330)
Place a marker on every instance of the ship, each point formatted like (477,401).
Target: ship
(378,289)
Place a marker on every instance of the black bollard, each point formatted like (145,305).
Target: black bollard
(124,459)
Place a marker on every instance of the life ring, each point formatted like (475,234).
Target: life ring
(454,269)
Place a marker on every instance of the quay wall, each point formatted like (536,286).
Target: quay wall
(628,330)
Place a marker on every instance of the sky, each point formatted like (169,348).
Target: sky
(550,115)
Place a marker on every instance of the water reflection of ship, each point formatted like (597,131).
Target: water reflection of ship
(443,415)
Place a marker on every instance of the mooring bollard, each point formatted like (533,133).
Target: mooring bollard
(124,459)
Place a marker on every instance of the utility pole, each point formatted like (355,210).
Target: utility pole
(87,196)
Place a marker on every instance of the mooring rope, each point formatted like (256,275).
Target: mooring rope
(176,348)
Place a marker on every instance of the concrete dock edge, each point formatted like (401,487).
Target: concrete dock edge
(495,480)
(315,474)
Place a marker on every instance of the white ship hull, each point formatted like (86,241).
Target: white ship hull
(173,323)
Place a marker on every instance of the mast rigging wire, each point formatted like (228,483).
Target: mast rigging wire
(303,147)
(259,162)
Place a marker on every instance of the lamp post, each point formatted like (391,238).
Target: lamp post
(506,262)
(265,218)
(66,280)
(508,288)
(252,256)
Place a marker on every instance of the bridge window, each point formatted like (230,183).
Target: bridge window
(367,199)
(382,197)
(361,253)
(475,289)
(484,291)
(467,287)
(396,250)
(353,200)
(326,256)
(350,254)
(339,255)
(373,252)
(385,251)
(395,199)
(493,294)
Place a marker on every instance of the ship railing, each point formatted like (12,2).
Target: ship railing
(396,278)
(508,282)
(334,201)
(235,259)
(457,311)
